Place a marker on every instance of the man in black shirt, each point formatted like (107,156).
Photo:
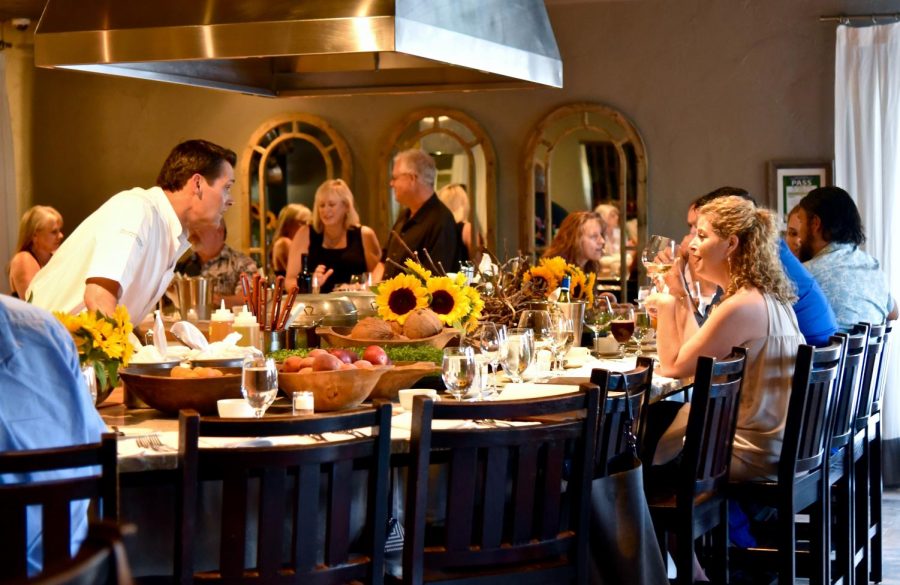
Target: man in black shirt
(426,223)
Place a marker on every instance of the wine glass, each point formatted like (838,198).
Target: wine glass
(539,321)
(658,256)
(259,382)
(459,370)
(563,334)
(642,328)
(490,338)
(598,315)
(518,353)
(622,324)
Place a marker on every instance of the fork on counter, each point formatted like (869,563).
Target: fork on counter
(153,443)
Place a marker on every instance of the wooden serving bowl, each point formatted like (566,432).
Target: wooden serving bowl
(340,337)
(336,389)
(162,392)
(402,375)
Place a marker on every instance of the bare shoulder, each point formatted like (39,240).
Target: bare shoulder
(23,262)
(745,305)
(368,234)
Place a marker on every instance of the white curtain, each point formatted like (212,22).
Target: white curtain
(867,165)
(8,200)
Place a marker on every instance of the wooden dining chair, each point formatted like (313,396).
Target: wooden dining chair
(285,512)
(517,495)
(841,457)
(802,471)
(101,560)
(867,556)
(636,385)
(46,503)
(696,504)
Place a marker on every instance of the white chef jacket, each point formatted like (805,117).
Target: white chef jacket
(135,239)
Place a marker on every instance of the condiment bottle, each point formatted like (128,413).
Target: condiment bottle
(245,324)
(220,324)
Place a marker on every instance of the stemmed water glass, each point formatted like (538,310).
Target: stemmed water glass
(490,338)
(518,353)
(563,335)
(598,315)
(459,370)
(658,256)
(539,321)
(259,382)
(642,328)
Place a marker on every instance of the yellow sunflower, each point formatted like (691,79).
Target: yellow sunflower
(399,296)
(577,285)
(542,278)
(558,266)
(476,304)
(418,269)
(448,301)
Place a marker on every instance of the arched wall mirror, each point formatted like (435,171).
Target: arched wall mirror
(285,161)
(463,154)
(579,156)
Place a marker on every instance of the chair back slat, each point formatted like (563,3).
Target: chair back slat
(636,384)
(814,385)
(883,365)
(51,499)
(868,389)
(101,560)
(855,345)
(710,429)
(282,498)
(516,493)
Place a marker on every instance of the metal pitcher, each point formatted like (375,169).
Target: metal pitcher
(194,292)
(575,312)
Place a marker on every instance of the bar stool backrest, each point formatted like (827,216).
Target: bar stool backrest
(846,403)
(869,388)
(53,499)
(814,385)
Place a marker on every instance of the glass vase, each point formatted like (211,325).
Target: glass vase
(90,379)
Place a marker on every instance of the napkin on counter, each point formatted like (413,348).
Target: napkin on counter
(188,333)
(159,334)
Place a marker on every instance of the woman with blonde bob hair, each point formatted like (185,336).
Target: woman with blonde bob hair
(579,241)
(291,218)
(40,234)
(736,247)
(339,248)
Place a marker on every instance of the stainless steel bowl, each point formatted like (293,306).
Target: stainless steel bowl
(364,301)
(335,310)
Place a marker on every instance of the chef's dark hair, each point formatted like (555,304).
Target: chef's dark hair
(188,158)
(837,214)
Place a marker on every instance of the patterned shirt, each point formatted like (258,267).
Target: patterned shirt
(853,282)
(226,268)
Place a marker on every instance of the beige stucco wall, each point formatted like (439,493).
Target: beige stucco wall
(715,88)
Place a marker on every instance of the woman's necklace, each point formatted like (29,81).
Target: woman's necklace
(329,242)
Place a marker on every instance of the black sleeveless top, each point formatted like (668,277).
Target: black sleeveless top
(345,262)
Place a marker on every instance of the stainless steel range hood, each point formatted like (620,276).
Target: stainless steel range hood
(306,47)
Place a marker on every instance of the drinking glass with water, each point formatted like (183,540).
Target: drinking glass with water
(259,382)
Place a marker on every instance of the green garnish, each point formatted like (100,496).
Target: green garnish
(397,353)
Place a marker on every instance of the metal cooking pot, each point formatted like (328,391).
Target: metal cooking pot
(364,301)
(335,310)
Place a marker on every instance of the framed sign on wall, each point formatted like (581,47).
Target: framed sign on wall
(791,180)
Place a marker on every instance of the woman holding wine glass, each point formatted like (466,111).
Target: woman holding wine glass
(736,247)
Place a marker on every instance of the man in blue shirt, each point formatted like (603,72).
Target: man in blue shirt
(44,403)
(831,234)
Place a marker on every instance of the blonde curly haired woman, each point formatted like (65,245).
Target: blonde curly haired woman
(40,234)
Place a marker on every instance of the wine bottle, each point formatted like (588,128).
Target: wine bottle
(564,290)
(304,279)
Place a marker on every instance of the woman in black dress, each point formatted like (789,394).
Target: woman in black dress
(338,246)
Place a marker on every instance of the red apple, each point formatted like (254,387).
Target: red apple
(375,355)
(345,355)
(363,364)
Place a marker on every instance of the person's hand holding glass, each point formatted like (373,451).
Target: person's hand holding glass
(658,257)
(259,382)
(519,351)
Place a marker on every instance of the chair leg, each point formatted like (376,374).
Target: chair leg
(787,539)
(842,527)
(819,573)
(875,495)
(720,546)
(861,520)
(684,553)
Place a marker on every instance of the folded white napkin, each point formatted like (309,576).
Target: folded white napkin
(188,333)
(526,390)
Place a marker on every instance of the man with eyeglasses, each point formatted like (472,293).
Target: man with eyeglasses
(426,225)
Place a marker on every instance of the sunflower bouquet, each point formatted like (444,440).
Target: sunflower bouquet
(101,340)
(455,303)
(548,274)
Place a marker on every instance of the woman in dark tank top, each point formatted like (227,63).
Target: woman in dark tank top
(337,245)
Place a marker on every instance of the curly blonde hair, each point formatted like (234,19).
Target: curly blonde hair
(755,262)
(567,242)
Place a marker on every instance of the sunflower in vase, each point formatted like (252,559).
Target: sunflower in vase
(102,342)
(548,274)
